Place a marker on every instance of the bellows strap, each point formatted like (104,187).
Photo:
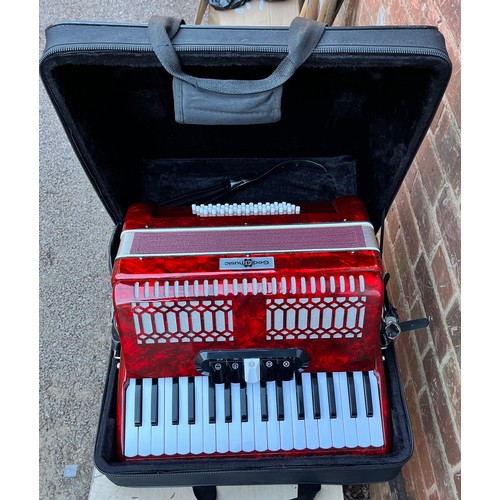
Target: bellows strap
(205,101)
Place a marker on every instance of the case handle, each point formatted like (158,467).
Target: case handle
(205,101)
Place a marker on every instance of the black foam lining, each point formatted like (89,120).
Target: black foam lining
(119,110)
(177,182)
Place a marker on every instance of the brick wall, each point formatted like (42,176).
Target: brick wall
(422,253)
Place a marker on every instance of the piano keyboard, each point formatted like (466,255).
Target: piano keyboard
(191,415)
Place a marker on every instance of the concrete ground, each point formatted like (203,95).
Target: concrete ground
(74,284)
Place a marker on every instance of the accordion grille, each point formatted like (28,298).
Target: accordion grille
(203,310)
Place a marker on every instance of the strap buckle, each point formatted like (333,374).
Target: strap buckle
(391,327)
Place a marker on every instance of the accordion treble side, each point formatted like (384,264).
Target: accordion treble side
(206,304)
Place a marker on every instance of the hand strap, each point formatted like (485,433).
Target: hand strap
(208,101)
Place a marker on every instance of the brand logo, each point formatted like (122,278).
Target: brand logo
(247,263)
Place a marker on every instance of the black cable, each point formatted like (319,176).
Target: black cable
(237,185)
(211,194)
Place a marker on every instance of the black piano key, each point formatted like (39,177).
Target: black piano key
(154,401)
(243,402)
(280,405)
(331,395)
(368,394)
(352,395)
(227,404)
(175,401)
(138,403)
(211,402)
(315,395)
(191,404)
(264,416)
(300,396)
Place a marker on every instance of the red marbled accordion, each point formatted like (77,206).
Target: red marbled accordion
(185,284)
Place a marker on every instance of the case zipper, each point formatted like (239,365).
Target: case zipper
(388,50)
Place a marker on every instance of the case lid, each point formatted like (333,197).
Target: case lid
(351,117)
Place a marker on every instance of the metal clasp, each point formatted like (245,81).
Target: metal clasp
(392,327)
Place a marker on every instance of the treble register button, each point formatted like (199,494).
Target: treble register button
(251,368)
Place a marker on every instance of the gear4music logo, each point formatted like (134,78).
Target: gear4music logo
(247,263)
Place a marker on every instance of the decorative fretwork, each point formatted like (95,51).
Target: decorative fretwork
(183,321)
(315,317)
(297,307)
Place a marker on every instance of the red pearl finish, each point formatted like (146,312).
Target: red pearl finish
(139,288)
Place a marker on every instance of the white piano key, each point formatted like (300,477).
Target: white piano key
(375,422)
(235,424)
(350,432)
(337,424)
(145,428)
(131,438)
(251,370)
(170,429)
(254,435)
(286,427)
(221,428)
(362,425)
(196,429)
(298,426)
(259,426)
(183,432)
(324,429)
(209,441)
(273,428)
(247,428)
(312,437)
(157,431)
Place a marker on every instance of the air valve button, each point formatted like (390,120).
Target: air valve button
(286,368)
(268,370)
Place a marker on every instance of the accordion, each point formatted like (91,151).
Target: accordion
(249,329)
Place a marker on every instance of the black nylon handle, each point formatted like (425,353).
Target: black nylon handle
(304,35)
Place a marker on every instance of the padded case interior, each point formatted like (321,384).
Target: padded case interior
(370,108)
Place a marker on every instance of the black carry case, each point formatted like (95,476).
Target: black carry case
(357,100)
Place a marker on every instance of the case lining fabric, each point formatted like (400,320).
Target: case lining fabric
(185,181)
(121,116)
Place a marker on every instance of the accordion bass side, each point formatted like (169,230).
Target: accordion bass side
(249,329)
